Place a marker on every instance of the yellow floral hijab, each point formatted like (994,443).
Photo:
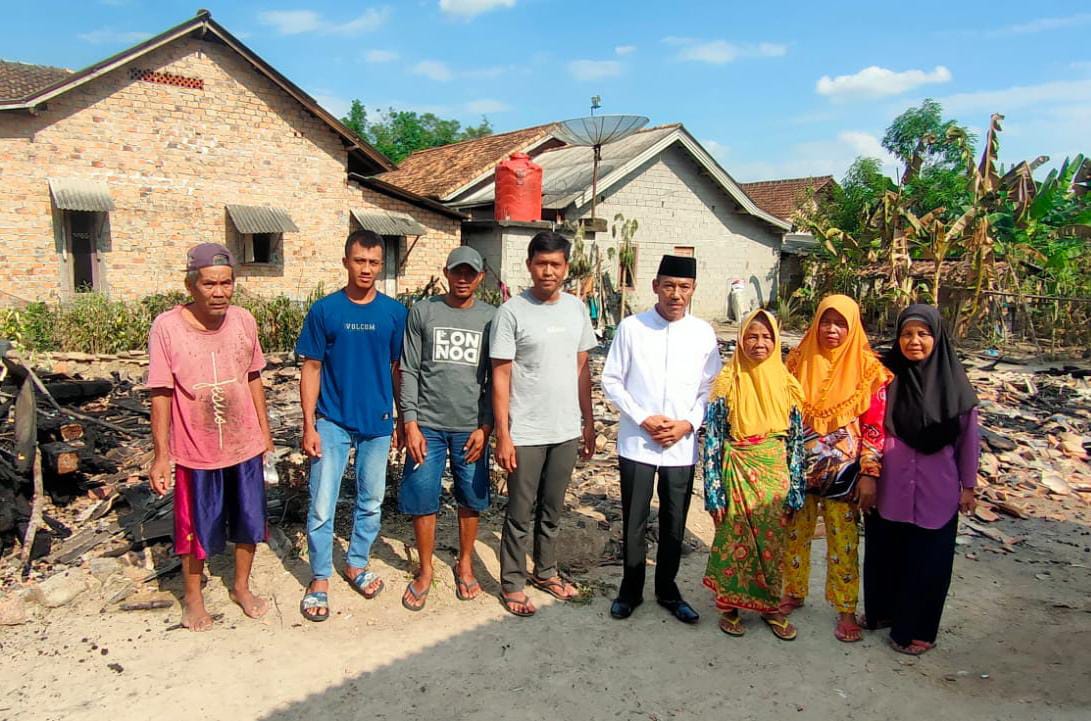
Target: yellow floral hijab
(759,394)
(839,383)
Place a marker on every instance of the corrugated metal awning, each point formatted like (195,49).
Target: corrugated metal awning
(81,194)
(386,222)
(256,219)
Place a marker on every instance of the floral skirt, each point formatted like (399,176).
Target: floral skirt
(745,566)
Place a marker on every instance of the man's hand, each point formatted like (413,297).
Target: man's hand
(587,447)
(415,444)
(159,475)
(269,446)
(967,501)
(865,493)
(718,516)
(398,438)
(505,452)
(653,424)
(670,432)
(475,445)
(312,443)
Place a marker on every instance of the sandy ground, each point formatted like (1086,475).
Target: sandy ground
(1015,644)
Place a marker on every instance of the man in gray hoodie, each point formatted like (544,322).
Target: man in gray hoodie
(445,405)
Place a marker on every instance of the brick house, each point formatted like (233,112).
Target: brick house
(684,202)
(108,174)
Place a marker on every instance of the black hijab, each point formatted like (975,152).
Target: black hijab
(926,398)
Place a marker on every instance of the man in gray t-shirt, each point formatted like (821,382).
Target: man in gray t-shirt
(447,412)
(541,391)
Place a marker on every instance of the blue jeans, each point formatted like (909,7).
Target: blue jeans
(420,489)
(325,484)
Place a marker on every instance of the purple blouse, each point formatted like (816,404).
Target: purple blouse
(924,489)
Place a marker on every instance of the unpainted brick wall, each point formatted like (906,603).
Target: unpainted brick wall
(173,157)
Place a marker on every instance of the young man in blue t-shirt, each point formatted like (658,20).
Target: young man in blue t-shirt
(351,343)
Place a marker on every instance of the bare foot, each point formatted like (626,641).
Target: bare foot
(194,615)
(253,606)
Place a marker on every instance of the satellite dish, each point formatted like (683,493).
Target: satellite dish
(595,131)
(599,129)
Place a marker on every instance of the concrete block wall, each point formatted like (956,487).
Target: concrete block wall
(172,158)
(676,204)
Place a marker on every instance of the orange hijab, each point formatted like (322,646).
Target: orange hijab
(760,395)
(838,384)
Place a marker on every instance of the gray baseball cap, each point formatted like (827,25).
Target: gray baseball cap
(465,255)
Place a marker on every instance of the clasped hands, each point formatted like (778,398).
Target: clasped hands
(665,431)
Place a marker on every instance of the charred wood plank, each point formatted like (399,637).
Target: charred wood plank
(60,458)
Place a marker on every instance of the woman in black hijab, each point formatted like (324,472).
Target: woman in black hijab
(930,458)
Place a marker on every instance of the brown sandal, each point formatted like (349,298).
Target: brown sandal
(554,587)
(732,626)
(782,629)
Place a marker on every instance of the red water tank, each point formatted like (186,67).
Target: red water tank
(518,189)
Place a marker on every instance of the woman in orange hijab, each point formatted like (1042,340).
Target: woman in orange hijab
(844,384)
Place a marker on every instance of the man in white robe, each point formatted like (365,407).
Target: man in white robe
(661,365)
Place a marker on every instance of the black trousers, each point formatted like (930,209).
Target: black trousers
(675,488)
(907,572)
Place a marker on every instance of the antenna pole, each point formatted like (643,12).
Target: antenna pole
(595,180)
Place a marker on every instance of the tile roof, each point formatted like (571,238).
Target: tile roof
(783,197)
(437,172)
(566,171)
(17,80)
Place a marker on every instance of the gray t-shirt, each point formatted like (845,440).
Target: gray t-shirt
(542,340)
(445,365)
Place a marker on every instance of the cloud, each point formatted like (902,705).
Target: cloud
(296,22)
(334,104)
(433,70)
(466,9)
(720,52)
(1039,25)
(1057,92)
(717,149)
(109,36)
(586,70)
(624,50)
(877,82)
(485,106)
(380,56)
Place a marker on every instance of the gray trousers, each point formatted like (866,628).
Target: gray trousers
(535,496)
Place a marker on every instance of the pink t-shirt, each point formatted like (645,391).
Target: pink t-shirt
(213,421)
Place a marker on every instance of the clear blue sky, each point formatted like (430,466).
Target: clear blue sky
(773,89)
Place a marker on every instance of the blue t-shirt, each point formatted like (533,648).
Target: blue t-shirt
(356,344)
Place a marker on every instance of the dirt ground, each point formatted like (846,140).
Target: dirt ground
(1015,644)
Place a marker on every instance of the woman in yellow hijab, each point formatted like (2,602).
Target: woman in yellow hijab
(753,467)
(845,388)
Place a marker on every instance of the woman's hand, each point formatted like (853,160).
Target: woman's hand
(718,516)
(866,493)
(967,501)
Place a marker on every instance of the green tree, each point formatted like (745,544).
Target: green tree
(397,133)
(921,136)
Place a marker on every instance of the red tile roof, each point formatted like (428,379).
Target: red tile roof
(437,172)
(17,80)
(783,197)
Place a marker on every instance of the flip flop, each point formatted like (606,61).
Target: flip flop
(732,627)
(510,603)
(421,597)
(553,586)
(913,649)
(314,601)
(843,631)
(465,591)
(364,579)
(783,630)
